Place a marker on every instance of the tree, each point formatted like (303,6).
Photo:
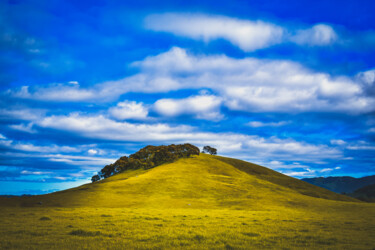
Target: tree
(95,178)
(209,150)
(146,158)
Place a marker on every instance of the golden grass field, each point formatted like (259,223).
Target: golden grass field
(204,202)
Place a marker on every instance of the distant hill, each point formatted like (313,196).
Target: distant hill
(366,193)
(341,185)
(199,181)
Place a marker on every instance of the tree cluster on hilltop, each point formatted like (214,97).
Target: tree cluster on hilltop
(147,157)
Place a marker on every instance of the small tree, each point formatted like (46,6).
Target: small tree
(209,150)
(95,178)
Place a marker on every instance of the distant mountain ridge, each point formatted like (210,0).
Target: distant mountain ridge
(345,184)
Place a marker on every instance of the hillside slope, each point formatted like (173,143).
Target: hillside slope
(197,182)
(366,193)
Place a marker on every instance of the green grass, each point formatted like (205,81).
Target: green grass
(204,202)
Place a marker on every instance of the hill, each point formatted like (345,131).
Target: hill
(345,184)
(366,193)
(202,181)
(199,202)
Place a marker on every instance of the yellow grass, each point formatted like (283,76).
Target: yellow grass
(196,203)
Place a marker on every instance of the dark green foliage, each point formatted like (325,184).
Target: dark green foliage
(209,150)
(95,178)
(146,158)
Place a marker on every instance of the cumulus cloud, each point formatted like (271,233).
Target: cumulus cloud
(319,35)
(247,35)
(257,85)
(248,84)
(202,107)
(129,110)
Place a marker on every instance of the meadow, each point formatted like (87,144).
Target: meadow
(196,203)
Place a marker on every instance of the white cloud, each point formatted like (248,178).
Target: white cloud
(337,142)
(21,113)
(278,165)
(25,128)
(318,35)
(56,93)
(257,85)
(305,173)
(100,127)
(29,147)
(2,137)
(34,172)
(361,147)
(356,145)
(367,77)
(258,124)
(202,107)
(249,84)
(129,110)
(92,151)
(308,172)
(248,35)
(104,128)
(80,160)
(85,162)
(43,149)
(325,170)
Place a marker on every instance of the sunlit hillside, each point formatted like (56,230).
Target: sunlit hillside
(197,182)
(198,202)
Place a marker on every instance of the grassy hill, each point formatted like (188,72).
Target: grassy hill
(201,202)
(204,181)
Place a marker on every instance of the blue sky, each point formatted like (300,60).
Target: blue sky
(286,84)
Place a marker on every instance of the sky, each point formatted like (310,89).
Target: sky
(289,85)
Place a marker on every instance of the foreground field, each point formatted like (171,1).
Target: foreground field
(203,202)
(95,228)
